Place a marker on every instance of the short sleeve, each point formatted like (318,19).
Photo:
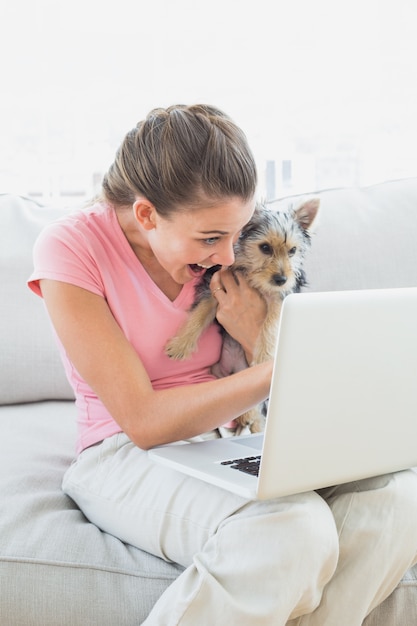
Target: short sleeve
(63,253)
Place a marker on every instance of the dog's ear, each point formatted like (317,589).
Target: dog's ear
(307,212)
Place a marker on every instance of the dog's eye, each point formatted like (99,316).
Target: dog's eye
(265,248)
(292,251)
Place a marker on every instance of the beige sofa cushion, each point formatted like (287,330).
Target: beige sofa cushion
(365,238)
(30,366)
(56,568)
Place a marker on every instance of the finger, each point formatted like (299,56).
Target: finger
(229,280)
(216,281)
(216,290)
(220,296)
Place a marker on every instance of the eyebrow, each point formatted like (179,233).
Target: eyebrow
(213,232)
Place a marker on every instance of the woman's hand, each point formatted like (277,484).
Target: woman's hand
(241,309)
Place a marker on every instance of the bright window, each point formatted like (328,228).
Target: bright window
(325,91)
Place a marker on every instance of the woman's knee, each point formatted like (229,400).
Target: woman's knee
(315,551)
(397,492)
(405,489)
(289,543)
(318,535)
(301,527)
(403,497)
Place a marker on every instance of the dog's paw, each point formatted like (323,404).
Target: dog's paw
(178,349)
(252,419)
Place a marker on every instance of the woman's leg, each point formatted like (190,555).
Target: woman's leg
(377,525)
(247,563)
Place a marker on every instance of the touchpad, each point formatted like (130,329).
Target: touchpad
(253,441)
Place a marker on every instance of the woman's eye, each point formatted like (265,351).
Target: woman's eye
(292,251)
(210,241)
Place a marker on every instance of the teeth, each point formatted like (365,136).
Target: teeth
(205,267)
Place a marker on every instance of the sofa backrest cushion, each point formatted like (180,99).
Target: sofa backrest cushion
(365,237)
(30,366)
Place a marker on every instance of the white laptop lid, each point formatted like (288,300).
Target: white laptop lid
(343,400)
(343,403)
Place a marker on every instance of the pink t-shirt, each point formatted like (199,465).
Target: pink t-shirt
(90,250)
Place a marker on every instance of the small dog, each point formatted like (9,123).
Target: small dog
(270,254)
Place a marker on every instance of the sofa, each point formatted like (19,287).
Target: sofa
(58,569)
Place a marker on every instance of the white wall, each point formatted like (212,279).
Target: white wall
(329,86)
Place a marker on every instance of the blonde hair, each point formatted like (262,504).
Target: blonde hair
(180,157)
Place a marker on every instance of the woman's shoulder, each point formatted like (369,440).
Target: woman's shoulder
(70,248)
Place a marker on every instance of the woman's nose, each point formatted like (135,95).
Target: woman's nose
(224,255)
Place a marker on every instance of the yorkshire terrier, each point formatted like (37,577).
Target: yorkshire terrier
(270,253)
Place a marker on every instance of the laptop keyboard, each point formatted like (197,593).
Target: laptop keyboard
(249,464)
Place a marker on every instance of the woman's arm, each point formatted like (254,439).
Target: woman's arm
(108,363)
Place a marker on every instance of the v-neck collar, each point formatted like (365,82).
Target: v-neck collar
(136,265)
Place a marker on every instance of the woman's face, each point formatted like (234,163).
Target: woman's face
(189,242)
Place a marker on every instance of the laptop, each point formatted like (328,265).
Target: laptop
(342,403)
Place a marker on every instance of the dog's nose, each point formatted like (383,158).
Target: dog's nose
(279,279)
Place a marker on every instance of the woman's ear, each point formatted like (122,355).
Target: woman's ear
(145,213)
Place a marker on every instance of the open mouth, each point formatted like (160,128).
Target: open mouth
(198,270)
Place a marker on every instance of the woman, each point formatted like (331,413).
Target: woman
(117,280)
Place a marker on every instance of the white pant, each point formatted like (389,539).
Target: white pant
(330,556)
